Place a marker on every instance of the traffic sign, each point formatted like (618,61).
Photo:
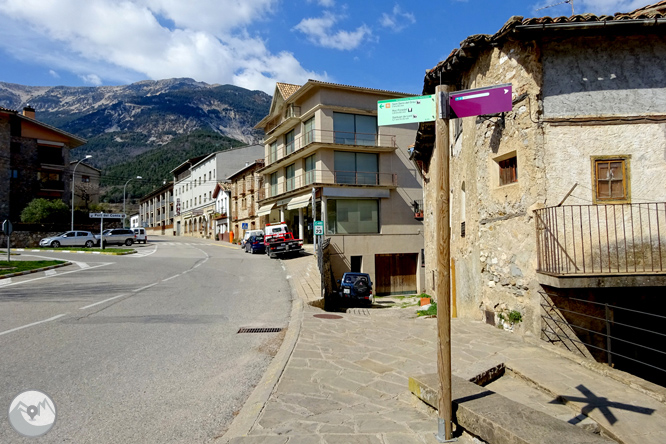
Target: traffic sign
(7,227)
(480,101)
(106,215)
(406,110)
(244,226)
(319,228)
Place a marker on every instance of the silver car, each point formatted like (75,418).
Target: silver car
(70,239)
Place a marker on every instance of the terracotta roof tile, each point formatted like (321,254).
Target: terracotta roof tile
(287,89)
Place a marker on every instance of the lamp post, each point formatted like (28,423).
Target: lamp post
(88,156)
(124,188)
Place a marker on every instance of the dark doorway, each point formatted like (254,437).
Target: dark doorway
(356,263)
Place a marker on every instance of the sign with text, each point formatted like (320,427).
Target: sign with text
(319,228)
(406,110)
(480,101)
(106,215)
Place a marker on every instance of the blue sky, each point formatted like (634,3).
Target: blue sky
(251,43)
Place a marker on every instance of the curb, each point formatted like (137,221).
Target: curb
(75,252)
(36,270)
(249,414)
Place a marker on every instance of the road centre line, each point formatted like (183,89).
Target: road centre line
(172,277)
(34,323)
(101,302)
(143,288)
(225,246)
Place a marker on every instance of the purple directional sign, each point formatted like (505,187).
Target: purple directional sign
(480,101)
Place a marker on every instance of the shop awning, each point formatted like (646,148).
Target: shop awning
(265,209)
(299,202)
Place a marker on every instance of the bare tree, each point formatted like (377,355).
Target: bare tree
(86,191)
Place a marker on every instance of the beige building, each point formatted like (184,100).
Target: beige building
(558,207)
(245,186)
(324,137)
(156,211)
(86,184)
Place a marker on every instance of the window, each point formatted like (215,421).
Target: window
(356,168)
(274,186)
(289,142)
(353,129)
(289,176)
(14,174)
(308,131)
(310,169)
(353,216)
(85,179)
(611,181)
(272,156)
(508,170)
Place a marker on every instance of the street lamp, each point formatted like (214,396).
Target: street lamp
(124,188)
(88,156)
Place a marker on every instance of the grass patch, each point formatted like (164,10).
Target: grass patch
(19,266)
(431,311)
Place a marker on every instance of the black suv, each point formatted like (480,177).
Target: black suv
(119,236)
(355,287)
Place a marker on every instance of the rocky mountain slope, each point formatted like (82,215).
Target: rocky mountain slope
(122,122)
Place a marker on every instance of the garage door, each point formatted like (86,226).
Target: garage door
(395,273)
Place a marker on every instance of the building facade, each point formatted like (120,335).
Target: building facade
(557,207)
(222,218)
(324,137)
(245,186)
(34,162)
(194,183)
(156,211)
(86,184)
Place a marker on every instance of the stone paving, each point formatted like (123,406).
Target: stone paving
(346,380)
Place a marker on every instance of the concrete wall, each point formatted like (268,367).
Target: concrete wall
(614,75)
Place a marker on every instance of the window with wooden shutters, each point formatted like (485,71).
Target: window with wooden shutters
(508,171)
(611,182)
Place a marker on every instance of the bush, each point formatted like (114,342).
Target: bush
(45,211)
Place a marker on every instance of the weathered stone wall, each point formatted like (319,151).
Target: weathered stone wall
(25,239)
(5,137)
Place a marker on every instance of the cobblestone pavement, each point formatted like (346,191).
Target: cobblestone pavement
(346,380)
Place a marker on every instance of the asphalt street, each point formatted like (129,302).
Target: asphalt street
(141,348)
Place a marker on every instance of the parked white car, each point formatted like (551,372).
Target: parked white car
(141,236)
(70,239)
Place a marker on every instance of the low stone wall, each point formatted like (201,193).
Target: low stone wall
(25,239)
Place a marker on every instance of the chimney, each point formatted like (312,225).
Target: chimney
(29,111)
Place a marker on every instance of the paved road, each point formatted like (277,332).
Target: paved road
(141,348)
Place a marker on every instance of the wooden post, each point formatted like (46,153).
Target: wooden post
(440,181)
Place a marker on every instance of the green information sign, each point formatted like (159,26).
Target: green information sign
(406,110)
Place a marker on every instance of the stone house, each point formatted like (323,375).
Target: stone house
(557,207)
(194,183)
(324,137)
(86,184)
(34,162)
(156,211)
(245,186)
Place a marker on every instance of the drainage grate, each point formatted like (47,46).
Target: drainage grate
(260,330)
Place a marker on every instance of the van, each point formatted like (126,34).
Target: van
(140,235)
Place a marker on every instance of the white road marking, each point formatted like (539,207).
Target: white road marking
(59,274)
(143,288)
(82,264)
(169,278)
(34,323)
(50,272)
(4,282)
(101,302)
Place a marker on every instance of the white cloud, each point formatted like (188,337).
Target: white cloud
(157,39)
(54,74)
(320,32)
(324,3)
(397,20)
(92,79)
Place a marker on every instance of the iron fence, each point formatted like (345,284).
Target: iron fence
(598,239)
(622,336)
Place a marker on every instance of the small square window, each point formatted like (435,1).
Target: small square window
(611,181)
(508,171)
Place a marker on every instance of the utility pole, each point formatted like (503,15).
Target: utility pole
(440,180)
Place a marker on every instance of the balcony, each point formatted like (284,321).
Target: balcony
(598,240)
(332,137)
(52,185)
(327,177)
(417,206)
(291,112)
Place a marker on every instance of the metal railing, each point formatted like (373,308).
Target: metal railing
(331,137)
(601,239)
(622,337)
(327,177)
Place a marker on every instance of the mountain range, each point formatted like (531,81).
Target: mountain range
(149,126)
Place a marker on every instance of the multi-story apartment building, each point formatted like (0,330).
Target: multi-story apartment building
(194,183)
(245,186)
(325,137)
(156,210)
(222,217)
(34,162)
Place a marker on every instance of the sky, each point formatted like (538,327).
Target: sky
(381,44)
